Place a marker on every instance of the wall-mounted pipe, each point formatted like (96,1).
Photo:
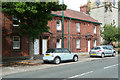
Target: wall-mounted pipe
(69,36)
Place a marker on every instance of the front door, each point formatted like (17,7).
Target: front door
(36,46)
(88,45)
(44,46)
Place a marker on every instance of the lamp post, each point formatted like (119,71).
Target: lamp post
(62,26)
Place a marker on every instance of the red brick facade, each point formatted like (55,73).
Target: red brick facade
(86,33)
(85,27)
(8,31)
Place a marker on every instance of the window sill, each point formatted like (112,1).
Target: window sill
(78,49)
(59,30)
(78,32)
(15,25)
(16,50)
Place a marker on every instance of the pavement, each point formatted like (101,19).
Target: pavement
(37,61)
(30,65)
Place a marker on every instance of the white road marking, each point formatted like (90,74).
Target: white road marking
(110,66)
(81,74)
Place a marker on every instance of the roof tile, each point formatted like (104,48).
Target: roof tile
(75,14)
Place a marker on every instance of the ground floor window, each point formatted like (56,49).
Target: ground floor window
(16,42)
(58,45)
(77,43)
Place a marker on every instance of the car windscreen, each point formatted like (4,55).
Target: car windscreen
(50,51)
(96,48)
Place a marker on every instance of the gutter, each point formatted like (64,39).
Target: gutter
(75,19)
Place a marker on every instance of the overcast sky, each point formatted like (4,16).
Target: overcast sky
(74,4)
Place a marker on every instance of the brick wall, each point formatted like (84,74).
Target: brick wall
(8,32)
(85,27)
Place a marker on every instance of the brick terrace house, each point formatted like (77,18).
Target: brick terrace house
(81,33)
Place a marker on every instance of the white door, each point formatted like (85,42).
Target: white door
(36,46)
(88,45)
(44,46)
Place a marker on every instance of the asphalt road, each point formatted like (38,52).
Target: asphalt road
(102,68)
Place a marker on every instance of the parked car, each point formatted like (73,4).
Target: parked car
(111,48)
(102,51)
(59,54)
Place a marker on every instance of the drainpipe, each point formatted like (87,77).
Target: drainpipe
(99,35)
(62,26)
(69,35)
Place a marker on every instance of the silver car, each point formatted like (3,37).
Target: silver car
(102,51)
(59,54)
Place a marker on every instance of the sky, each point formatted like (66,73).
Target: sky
(74,4)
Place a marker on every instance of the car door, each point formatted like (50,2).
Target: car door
(110,51)
(67,54)
(105,50)
(59,52)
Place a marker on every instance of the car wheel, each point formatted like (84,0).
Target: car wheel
(102,55)
(114,54)
(57,60)
(75,58)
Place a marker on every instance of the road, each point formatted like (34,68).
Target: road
(102,68)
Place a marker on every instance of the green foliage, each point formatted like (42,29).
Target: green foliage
(33,16)
(119,45)
(110,33)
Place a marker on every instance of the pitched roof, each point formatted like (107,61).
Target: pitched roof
(75,15)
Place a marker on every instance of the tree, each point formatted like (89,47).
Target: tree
(33,16)
(110,33)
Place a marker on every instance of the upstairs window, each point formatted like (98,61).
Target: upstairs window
(78,27)
(77,43)
(16,42)
(94,29)
(15,21)
(58,24)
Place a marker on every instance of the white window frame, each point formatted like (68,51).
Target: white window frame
(94,29)
(78,27)
(77,43)
(94,43)
(15,18)
(18,42)
(58,44)
(58,25)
